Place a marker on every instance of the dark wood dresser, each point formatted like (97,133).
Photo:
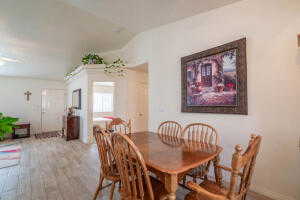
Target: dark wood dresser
(71,127)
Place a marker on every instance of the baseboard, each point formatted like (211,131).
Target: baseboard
(270,194)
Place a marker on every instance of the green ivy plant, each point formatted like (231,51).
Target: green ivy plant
(117,67)
(71,72)
(6,125)
(92,58)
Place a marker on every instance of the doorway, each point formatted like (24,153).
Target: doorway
(53,109)
(103,103)
(206,75)
(139,99)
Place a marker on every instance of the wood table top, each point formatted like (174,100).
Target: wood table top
(173,155)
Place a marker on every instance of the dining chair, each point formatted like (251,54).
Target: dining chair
(202,133)
(242,167)
(206,134)
(170,141)
(170,128)
(108,169)
(119,125)
(136,184)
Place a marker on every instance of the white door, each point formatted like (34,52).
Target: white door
(53,109)
(141,118)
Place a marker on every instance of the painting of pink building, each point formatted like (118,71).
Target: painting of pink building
(212,80)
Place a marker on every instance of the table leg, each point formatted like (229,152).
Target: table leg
(218,174)
(171,185)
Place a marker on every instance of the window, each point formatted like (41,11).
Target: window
(103,102)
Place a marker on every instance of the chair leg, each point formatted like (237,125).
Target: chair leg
(112,189)
(99,187)
(120,185)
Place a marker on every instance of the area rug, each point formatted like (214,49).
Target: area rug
(48,134)
(10,155)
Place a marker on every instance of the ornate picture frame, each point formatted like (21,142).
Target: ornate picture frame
(215,80)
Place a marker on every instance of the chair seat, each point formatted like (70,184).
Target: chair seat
(157,187)
(210,186)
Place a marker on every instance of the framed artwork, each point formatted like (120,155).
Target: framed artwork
(76,99)
(215,80)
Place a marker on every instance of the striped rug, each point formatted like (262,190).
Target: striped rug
(10,155)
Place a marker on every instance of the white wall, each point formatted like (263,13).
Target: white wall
(80,82)
(271,27)
(13,101)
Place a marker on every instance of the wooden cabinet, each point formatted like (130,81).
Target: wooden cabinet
(71,127)
(19,126)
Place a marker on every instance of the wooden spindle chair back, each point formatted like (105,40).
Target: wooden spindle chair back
(107,160)
(242,168)
(206,134)
(118,125)
(135,181)
(202,133)
(170,128)
(108,169)
(171,141)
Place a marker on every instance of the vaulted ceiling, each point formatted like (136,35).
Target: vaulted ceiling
(44,39)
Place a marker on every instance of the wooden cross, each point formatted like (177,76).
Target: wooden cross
(28,95)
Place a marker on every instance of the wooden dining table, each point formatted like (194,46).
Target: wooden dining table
(171,158)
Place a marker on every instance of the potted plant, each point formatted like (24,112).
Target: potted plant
(6,125)
(92,58)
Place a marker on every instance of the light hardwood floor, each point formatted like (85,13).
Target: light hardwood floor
(53,169)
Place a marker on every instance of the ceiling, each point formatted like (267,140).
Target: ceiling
(44,39)
(141,15)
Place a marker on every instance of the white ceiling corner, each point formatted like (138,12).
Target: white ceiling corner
(49,37)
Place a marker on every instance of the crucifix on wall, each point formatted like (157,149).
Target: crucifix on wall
(27,95)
